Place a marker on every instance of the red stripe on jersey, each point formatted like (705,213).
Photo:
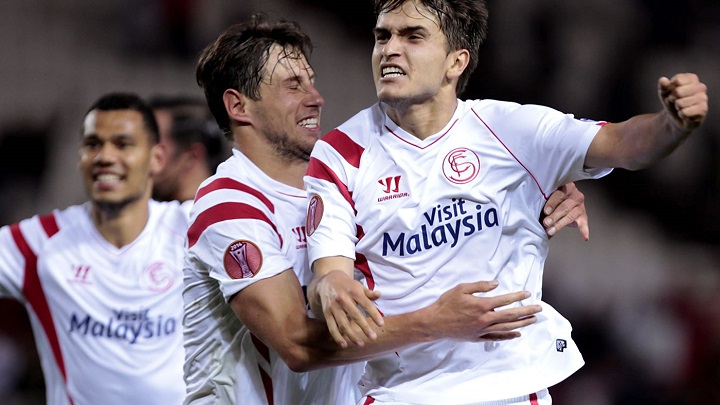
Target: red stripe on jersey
(511,154)
(346,147)
(369,400)
(224,212)
(49,224)
(361,262)
(32,289)
(226,183)
(533,399)
(321,171)
(266,378)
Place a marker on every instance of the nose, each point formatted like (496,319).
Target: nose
(314,98)
(390,47)
(105,154)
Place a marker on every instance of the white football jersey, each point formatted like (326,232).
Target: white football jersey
(421,216)
(106,320)
(247,227)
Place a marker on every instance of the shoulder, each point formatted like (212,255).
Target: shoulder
(32,234)
(359,129)
(171,214)
(506,114)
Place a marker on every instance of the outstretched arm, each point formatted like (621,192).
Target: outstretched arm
(644,139)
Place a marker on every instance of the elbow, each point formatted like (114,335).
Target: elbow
(297,360)
(637,165)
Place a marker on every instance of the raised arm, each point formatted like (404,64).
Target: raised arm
(644,139)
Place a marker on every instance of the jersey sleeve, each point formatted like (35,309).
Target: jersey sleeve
(233,235)
(12,262)
(20,246)
(331,226)
(551,145)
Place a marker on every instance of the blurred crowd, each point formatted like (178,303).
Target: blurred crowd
(643,294)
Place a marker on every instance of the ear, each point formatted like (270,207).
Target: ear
(236,106)
(158,158)
(457,61)
(197,152)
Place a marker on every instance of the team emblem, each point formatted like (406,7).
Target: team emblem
(314,214)
(461,166)
(560,345)
(242,259)
(157,277)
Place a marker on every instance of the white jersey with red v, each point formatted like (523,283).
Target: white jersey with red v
(421,216)
(107,321)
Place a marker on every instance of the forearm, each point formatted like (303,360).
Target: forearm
(320,349)
(650,137)
(321,268)
(636,143)
(644,139)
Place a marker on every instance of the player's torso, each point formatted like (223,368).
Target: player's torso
(116,312)
(438,209)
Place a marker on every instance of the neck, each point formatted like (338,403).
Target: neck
(121,223)
(425,119)
(284,169)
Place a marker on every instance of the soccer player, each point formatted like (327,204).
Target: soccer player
(102,281)
(193,146)
(423,190)
(249,338)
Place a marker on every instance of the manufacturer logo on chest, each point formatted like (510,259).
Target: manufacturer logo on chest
(390,187)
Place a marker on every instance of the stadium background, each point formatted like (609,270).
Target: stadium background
(643,294)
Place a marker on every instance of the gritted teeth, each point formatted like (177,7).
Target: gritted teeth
(392,71)
(309,123)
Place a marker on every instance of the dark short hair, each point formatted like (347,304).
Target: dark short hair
(237,59)
(192,123)
(129,101)
(464,23)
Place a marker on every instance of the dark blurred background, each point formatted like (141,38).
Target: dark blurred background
(643,294)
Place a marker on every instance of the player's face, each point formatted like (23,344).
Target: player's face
(116,157)
(410,58)
(166,180)
(288,112)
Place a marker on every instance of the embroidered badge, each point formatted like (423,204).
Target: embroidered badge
(157,277)
(314,214)
(242,259)
(461,166)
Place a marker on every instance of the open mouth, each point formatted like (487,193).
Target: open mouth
(107,179)
(310,123)
(392,71)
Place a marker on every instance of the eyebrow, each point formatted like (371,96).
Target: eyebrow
(113,137)
(402,31)
(298,78)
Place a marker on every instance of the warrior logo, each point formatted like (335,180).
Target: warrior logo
(560,345)
(461,166)
(391,184)
(80,274)
(242,259)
